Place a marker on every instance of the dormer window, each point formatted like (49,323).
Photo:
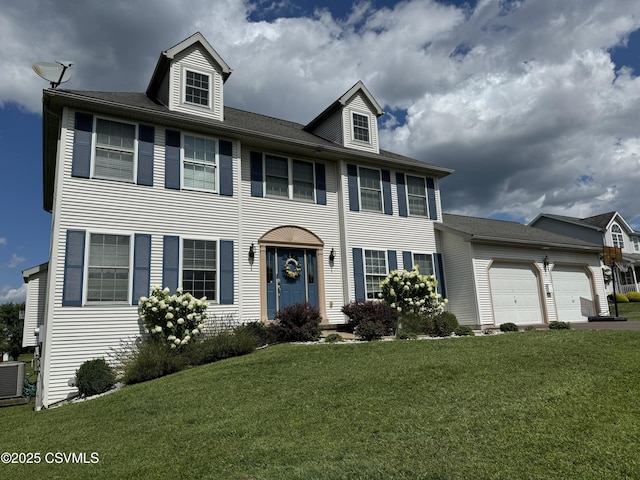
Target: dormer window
(197,88)
(360,128)
(618,239)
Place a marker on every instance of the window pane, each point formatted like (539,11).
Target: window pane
(375,271)
(197,88)
(114,150)
(199,264)
(108,268)
(424,262)
(370,192)
(199,166)
(277,176)
(417,196)
(360,127)
(303,184)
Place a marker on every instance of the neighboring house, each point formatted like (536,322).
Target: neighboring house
(36,280)
(173,188)
(499,272)
(607,229)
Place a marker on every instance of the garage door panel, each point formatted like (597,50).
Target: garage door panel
(515,293)
(570,284)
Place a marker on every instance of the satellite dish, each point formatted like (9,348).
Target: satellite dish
(55,73)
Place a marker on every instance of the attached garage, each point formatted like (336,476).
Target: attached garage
(573,293)
(515,293)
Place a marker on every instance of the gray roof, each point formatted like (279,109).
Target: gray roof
(486,230)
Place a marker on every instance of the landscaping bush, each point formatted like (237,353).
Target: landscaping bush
(296,323)
(333,338)
(226,344)
(443,325)
(464,331)
(556,325)
(620,298)
(151,358)
(415,324)
(371,320)
(95,377)
(633,296)
(256,330)
(411,292)
(509,327)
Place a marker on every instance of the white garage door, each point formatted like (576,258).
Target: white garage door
(515,294)
(570,285)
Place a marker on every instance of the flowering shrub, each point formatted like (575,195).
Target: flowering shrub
(410,292)
(177,318)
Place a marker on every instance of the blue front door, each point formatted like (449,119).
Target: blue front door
(291,278)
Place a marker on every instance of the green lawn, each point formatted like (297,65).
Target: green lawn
(527,405)
(630,310)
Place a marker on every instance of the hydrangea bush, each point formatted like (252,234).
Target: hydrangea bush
(177,318)
(410,292)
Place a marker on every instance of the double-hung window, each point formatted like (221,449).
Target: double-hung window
(375,268)
(289,178)
(200,163)
(417,196)
(618,239)
(424,262)
(200,268)
(636,244)
(370,189)
(196,88)
(109,260)
(360,127)
(114,150)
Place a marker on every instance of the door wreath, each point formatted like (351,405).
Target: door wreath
(291,268)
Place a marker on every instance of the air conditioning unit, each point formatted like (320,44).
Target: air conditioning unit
(11,379)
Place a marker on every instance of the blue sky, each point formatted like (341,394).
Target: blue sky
(535,104)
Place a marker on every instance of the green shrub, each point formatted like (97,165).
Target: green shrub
(509,327)
(226,344)
(620,298)
(371,320)
(633,296)
(443,325)
(556,325)
(257,330)
(464,331)
(333,338)
(95,377)
(415,324)
(296,323)
(151,358)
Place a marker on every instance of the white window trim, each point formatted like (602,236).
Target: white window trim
(426,196)
(364,268)
(183,88)
(413,262)
(352,123)
(381,191)
(94,146)
(636,244)
(217,165)
(85,273)
(617,236)
(290,178)
(181,262)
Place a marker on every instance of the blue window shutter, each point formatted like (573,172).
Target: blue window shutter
(439,272)
(386,192)
(141,267)
(392,260)
(226,272)
(172,159)
(431,197)
(146,138)
(321,184)
(402,194)
(358,275)
(407,260)
(170,262)
(73,268)
(226,167)
(81,164)
(352,182)
(256,174)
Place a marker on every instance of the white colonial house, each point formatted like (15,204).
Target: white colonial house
(607,229)
(171,187)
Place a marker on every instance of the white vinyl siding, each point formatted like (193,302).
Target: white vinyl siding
(417,196)
(108,268)
(375,270)
(199,163)
(370,189)
(114,150)
(199,268)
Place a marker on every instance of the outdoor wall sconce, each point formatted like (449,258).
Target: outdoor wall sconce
(252,253)
(332,255)
(545,262)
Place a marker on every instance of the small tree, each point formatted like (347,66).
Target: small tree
(410,292)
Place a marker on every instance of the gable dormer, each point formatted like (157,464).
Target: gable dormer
(189,78)
(350,121)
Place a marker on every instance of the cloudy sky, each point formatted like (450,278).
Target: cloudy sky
(534,103)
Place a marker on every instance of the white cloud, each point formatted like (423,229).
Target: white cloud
(520,98)
(3,241)
(13,295)
(15,261)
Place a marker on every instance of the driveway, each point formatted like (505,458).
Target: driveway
(613,325)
